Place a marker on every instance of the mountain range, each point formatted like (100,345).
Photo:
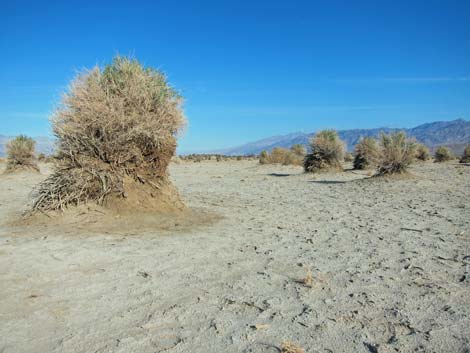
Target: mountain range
(454,134)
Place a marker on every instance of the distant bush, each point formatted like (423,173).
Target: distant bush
(282,156)
(366,154)
(466,155)
(422,152)
(327,152)
(396,153)
(20,153)
(298,150)
(443,154)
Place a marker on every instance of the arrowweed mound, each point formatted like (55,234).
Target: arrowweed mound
(465,155)
(366,154)
(21,154)
(422,152)
(327,152)
(443,154)
(397,152)
(116,132)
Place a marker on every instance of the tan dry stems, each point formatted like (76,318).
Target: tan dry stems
(422,152)
(465,155)
(443,154)
(396,153)
(289,347)
(21,154)
(327,152)
(115,127)
(366,154)
(348,157)
(284,156)
(308,280)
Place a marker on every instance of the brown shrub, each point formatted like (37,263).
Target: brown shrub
(327,152)
(465,155)
(366,154)
(422,152)
(289,347)
(282,156)
(21,154)
(397,153)
(116,134)
(443,154)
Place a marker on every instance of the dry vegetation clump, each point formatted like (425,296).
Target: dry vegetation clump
(422,152)
(348,157)
(289,347)
(116,134)
(21,154)
(284,156)
(396,153)
(366,154)
(443,154)
(327,152)
(465,155)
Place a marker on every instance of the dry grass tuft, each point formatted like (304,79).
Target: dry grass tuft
(21,154)
(289,347)
(366,154)
(422,152)
(396,153)
(308,280)
(465,155)
(443,154)
(327,152)
(116,134)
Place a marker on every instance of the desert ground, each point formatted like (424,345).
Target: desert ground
(389,262)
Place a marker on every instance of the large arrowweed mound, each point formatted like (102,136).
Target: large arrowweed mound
(21,154)
(116,134)
(397,153)
(327,152)
(366,153)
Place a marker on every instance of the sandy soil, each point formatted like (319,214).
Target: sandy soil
(389,260)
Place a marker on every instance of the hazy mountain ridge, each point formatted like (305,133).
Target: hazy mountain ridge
(455,134)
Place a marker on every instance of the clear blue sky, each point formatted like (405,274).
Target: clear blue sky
(248,69)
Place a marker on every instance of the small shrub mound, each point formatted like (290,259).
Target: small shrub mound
(284,156)
(21,154)
(466,155)
(327,152)
(396,153)
(443,154)
(422,152)
(116,134)
(366,154)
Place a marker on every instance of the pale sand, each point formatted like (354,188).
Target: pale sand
(376,287)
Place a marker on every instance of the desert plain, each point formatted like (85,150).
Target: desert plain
(334,262)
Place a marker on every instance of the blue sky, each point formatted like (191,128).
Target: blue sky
(248,69)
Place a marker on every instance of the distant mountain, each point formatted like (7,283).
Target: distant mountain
(43,144)
(455,134)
